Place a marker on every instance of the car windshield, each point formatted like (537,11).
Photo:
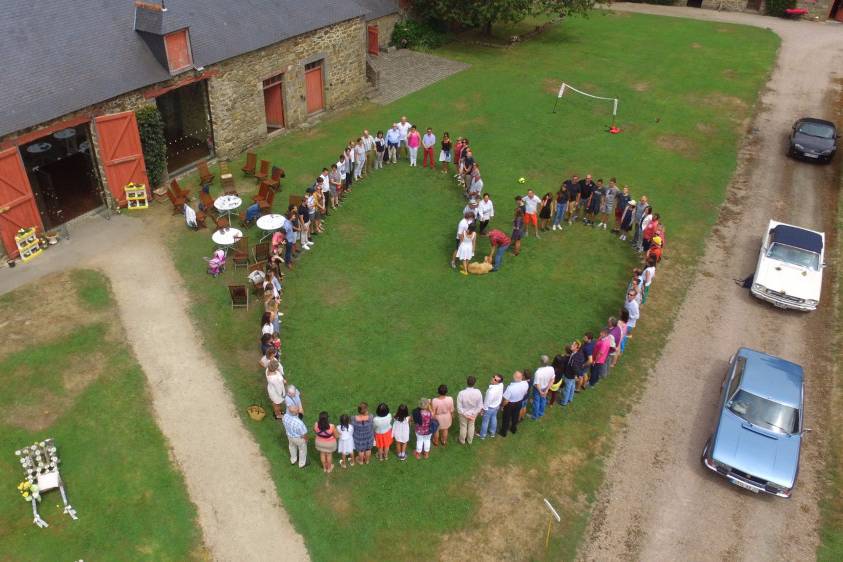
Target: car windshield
(816,130)
(765,413)
(794,255)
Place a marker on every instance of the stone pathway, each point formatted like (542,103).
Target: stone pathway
(405,71)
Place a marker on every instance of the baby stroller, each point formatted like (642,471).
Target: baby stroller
(216,264)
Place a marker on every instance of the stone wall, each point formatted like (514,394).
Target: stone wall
(385,26)
(236,92)
(817,9)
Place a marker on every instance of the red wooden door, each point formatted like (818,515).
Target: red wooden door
(120,152)
(17,203)
(839,14)
(313,88)
(273,102)
(374,49)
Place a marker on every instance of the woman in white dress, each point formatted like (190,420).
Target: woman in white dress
(345,445)
(466,250)
(275,386)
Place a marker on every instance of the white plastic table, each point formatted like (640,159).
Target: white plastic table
(270,223)
(226,204)
(226,238)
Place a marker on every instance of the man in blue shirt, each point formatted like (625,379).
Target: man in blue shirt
(393,136)
(297,438)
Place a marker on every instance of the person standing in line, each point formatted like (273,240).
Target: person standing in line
(445,153)
(542,381)
(413,143)
(467,166)
(647,277)
(513,396)
(462,226)
(607,206)
(531,206)
(403,132)
(467,246)
(587,188)
(326,190)
(655,251)
(424,420)
(561,206)
(297,438)
(393,140)
(556,391)
(443,410)
(349,163)
(500,243)
(457,156)
(401,431)
(326,441)
(631,306)
(544,213)
(615,335)
(623,199)
(596,203)
(345,445)
(650,230)
(293,403)
(369,148)
(275,386)
(491,405)
(476,183)
(359,159)
(428,142)
(485,213)
(572,371)
(383,431)
(643,218)
(334,186)
(517,230)
(573,187)
(600,355)
(364,433)
(587,350)
(380,150)
(627,218)
(469,406)
(528,398)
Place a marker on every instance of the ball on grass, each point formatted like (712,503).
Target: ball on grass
(522,180)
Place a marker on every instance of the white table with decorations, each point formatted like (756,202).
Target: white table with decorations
(270,224)
(226,238)
(227,204)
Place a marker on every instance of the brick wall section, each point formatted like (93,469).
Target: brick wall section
(385,26)
(818,9)
(236,93)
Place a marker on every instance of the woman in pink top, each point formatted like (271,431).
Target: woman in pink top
(443,409)
(413,143)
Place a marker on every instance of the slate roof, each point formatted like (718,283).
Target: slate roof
(378,8)
(64,55)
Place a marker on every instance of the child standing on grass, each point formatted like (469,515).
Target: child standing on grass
(401,431)
(345,446)
(380,150)
(383,431)
(517,227)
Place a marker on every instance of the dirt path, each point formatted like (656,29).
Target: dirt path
(658,502)
(227,476)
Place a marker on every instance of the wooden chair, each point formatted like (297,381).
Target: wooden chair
(266,204)
(205,175)
(178,191)
(261,252)
(244,222)
(222,222)
(258,266)
(240,257)
(275,181)
(228,186)
(208,202)
(251,162)
(263,190)
(263,174)
(296,200)
(201,217)
(177,201)
(239,296)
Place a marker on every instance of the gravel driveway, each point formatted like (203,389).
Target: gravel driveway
(658,503)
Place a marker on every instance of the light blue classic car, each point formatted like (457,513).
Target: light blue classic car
(759,430)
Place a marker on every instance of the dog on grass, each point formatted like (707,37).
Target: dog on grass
(480,268)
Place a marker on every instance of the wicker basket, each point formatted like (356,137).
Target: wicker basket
(256,412)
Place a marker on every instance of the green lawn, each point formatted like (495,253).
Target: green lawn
(373,312)
(68,374)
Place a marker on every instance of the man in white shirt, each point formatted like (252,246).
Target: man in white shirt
(542,379)
(485,212)
(514,394)
(403,131)
(461,228)
(631,306)
(469,406)
(531,212)
(369,147)
(491,405)
(326,188)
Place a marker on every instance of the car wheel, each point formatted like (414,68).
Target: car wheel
(705,451)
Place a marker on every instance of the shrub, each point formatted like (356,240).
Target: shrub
(414,34)
(151,129)
(778,7)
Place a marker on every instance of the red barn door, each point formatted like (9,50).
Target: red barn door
(314,89)
(374,48)
(17,203)
(120,152)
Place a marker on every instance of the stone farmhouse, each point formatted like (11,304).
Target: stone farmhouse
(224,75)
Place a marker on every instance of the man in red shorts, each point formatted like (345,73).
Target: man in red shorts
(531,212)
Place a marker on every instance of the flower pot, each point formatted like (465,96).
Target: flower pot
(256,412)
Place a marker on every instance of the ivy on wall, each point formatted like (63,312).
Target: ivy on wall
(151,129)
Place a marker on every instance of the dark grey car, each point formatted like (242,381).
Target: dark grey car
(813,139)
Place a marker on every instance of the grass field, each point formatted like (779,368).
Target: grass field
(68,374)
(374,313)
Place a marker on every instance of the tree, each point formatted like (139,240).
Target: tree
(483,14)
(153,143)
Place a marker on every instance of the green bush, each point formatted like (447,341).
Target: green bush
(151,128)
(778,7)
(412,34)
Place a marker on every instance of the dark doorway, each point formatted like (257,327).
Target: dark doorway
(63,175)
(753,5)
(187,126)
(837,11)
(694,3)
